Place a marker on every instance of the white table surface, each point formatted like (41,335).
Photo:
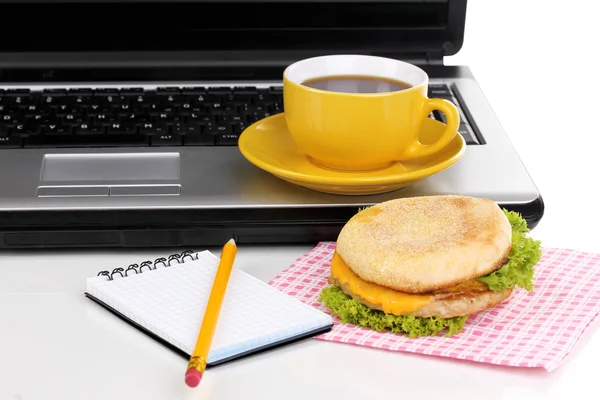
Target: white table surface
(57,345)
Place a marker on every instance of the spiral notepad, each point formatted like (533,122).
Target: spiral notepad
(166,300)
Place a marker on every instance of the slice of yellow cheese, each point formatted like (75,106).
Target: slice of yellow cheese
(391,301)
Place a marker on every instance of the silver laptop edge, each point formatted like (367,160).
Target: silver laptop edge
(220,176)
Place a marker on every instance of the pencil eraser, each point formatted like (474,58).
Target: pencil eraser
(193,377)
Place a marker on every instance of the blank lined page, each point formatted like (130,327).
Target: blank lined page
(170,302)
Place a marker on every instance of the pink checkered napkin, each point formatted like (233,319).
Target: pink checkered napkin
(529,330)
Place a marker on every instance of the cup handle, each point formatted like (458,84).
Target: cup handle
(418,149)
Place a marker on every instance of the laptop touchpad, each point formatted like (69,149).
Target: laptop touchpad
(116,167)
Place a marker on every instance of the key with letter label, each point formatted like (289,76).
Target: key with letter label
(166,139)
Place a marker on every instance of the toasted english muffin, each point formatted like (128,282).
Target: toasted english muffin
(423,244)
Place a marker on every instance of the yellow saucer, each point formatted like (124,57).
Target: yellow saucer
(268,145)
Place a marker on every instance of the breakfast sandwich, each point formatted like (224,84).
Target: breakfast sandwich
(422,265)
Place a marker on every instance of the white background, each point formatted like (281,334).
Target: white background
(538,63)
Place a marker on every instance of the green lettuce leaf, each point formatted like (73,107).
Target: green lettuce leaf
(353,312)
(525,254)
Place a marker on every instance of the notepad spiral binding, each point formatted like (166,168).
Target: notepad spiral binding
(139,268)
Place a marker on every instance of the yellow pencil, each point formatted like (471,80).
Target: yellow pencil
(197,363)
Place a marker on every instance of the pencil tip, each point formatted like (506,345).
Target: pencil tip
(231,241)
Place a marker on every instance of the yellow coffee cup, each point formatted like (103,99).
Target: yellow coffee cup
(356,112)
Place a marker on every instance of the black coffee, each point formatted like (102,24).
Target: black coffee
(356,84)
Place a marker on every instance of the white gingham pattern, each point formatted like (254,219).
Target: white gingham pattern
(529,330)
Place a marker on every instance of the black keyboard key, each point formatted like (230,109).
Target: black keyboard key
(451,99)
(159,110)
(200,99)
(186,129)
(201,118)
(141,119)
(32,110)
(4,130)
(189,109)
(250,109)
(64,110)
(438,86)
(10,142)
(16,92)
(168,118)
(199,140)
(192,91)
(232,118)
(152,129)
(239,128)
(122,109)
(218,106)
(227,139)
(61,141)
(467,133)
(54,129)
(276,90)
(136,118)
(52,100)
(171,100)
(11,120)
(166,139)
(139,100)
(42,109)
(96,109)
(80,92)
(6,118)
(106,92)
(243,101)
(122,129)
(219,129)
(168,90)
(74,119)
(105,119)
(42,119)
(86,129)
(219,90)
(242,90)
(112,101)
(82,101)
(253,117)
(144,100)
(131,91)
(265,95)
(22,101)
(439,90)
(229,108)
(54,92)
(25,130)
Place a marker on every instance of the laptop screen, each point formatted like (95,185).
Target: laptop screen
(195,25)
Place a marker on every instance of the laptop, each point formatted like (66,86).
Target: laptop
(119,122)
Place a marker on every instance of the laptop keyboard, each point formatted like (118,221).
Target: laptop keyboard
(125,117)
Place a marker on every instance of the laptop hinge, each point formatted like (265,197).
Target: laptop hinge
(435,58)
(435,61)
